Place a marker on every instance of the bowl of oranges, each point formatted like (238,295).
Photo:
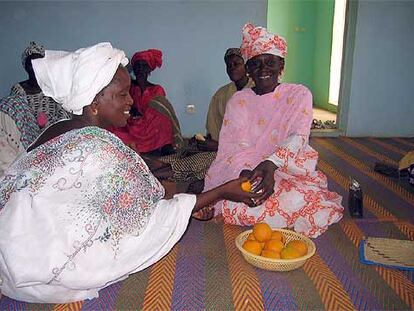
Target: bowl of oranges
(274,249)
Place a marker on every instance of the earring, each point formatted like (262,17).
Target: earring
(247,75)
(94,112)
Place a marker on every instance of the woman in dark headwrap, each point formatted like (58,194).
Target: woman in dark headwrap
(45,109)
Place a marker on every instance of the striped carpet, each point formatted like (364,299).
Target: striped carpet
(206,271)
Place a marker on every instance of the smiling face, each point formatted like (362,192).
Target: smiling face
(114,102)
(265,69)
(235,67)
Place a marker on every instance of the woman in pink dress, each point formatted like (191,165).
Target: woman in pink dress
(265,137)
(147,131)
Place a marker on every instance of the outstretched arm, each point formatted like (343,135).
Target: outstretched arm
(229,191)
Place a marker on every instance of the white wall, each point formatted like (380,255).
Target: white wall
(193,35)
(381,99)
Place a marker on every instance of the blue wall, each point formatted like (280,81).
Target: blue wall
(192,34)
(381,100)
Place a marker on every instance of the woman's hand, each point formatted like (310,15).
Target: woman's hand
(229,191)
(263,180)
(246,173)
(232,191)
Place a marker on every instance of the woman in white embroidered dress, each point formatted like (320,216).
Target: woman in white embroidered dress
(81,210)
(265,137)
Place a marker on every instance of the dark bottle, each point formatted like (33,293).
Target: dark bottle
(411,174)
(355,200)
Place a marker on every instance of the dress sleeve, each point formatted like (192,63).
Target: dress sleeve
(292,154)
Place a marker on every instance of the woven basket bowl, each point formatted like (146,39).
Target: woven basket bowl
(276,264)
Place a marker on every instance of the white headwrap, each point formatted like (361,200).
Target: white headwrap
(74,78)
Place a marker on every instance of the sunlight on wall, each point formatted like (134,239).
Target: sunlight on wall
(337,44)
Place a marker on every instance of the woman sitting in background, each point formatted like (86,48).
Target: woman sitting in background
(81,210)
(149,130)
(46,110)
(265,137)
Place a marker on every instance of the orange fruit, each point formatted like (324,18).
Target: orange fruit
(262,232)
(246,186)
(300,246)
(277,235)
(274,245)
(289,253)
(270,254)
(251,237)
(253,247)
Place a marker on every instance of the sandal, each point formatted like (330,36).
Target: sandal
(316,124)
(329,124)
(204,214)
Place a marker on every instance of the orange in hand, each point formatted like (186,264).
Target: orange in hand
(246,186)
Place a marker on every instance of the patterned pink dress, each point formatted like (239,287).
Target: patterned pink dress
(275,126)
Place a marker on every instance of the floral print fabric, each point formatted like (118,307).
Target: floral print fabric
(95,172)
(275,127)
(79,213)
(258,40)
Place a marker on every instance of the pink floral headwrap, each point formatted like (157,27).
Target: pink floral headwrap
(257,40)
(152,56)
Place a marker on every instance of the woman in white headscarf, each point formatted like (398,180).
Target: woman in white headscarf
(81,210)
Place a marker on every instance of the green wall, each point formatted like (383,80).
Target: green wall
(307,27)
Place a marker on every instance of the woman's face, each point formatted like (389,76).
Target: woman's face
(114,101)
(264,69)
(141,69)
(235,67)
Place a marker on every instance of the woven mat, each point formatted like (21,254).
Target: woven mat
(388,252)
(206,271)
